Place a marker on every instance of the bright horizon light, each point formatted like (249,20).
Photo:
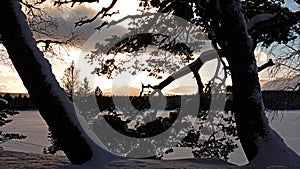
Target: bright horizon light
(15,85)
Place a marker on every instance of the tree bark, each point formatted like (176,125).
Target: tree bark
(36,74)
(252,125)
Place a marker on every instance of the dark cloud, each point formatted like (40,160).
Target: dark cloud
(67,17)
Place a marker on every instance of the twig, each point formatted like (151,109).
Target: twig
(103,11)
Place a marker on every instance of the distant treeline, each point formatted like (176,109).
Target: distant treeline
(19,102)
(282,100)
(274,100)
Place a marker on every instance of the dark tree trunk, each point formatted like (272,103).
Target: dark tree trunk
(36,74)
(249,108)
(252,124)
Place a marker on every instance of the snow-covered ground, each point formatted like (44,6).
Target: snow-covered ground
(30,123)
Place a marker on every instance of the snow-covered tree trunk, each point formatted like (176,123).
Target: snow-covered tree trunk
(36,74)
(262,146)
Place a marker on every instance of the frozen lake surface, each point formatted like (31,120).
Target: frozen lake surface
(31,124)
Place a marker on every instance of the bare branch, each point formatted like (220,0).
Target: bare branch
(73,40)
(47,43)
(61,2)
(112,23)
(32,6)
(266,65)
(41,23)
(104,11)
(290,67)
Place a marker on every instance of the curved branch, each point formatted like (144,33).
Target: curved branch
(259,18)
(192,67)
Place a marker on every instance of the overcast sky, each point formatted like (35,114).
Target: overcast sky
(67,16)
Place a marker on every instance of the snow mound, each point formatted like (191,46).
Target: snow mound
(273,153)
(21,160)
(152,164)
(12,159)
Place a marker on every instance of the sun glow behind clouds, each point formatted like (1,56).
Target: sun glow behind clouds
(125,7)
(10,81)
